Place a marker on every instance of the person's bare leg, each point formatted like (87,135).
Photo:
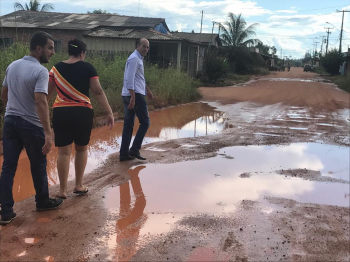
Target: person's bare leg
(63,159)
(80,165)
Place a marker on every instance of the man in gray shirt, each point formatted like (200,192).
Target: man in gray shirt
(27,124)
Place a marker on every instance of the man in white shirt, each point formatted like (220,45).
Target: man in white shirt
(133,94)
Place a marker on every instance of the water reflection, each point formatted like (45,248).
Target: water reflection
(196,119)
(132,217)
(215,185)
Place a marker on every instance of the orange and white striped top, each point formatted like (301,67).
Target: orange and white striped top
(72,83)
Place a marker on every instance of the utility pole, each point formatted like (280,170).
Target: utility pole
(316,50)
(322,42)
(328,37)
(341,31)
(316,46)
(201,21)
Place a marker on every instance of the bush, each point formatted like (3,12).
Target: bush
(331,61)
(260,71)
(242,61)
(214,67)
(343,82)
(320,70)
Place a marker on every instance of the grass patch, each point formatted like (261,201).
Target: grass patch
(320,70)
(229,80)
(260,71)
(343,82)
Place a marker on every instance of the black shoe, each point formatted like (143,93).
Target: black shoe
(136,155)
(50,204)
(7,219)
(126,158)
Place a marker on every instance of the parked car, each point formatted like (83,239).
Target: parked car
(307,68)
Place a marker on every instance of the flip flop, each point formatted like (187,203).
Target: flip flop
(83,192)
(61,197)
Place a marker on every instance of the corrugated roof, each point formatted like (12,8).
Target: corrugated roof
(75,21)
(133,34)
(197,37)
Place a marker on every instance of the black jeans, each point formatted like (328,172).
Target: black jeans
(19,133)
(141,111)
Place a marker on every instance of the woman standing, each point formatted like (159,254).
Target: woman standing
(73,114)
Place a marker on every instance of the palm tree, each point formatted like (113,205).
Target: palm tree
(34,5)
(236,36)
(235,33)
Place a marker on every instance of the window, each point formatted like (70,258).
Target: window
(58,45)
(6,42)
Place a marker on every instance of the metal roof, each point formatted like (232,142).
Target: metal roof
(52,20)
(133,34)
(199,37)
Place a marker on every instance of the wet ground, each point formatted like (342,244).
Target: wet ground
(256,173)
(190,120)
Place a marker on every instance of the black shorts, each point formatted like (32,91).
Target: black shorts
(72,124)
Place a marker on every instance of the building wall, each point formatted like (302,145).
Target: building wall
(62,36)
(109,44)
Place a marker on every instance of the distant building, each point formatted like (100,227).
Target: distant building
(107,33)
(203,38)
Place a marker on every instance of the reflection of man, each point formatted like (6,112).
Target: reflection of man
(133,94)
(131,219)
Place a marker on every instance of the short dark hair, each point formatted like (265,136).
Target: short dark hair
(39,38)
(75,47)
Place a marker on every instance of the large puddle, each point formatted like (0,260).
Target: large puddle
(190,120)
(159,195)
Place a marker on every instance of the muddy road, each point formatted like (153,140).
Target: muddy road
(257,172)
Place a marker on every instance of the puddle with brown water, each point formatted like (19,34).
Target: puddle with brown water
(157,196)
(190,120)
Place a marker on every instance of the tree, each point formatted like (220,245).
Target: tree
(307,58)
(263,49)
(235,32)
(236,37)
(99,11)
(273,50)
(331,61)
(34,5)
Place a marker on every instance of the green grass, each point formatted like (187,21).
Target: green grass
(169,86)
(320,70)
(343,82)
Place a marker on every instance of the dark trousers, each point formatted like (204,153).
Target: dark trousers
(19,133)
(141,111)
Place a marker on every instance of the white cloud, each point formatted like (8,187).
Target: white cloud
(287,11)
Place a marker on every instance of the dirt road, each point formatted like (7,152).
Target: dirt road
(259,191)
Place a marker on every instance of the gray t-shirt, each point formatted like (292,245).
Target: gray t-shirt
(23,78)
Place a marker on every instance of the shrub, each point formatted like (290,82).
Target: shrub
(214,67)
(343,82)
(331,61)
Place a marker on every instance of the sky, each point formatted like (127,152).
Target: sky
(291,26)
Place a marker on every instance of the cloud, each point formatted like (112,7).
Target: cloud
(287,11)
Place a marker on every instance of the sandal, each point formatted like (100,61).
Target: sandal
(81,192)
(61,197)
